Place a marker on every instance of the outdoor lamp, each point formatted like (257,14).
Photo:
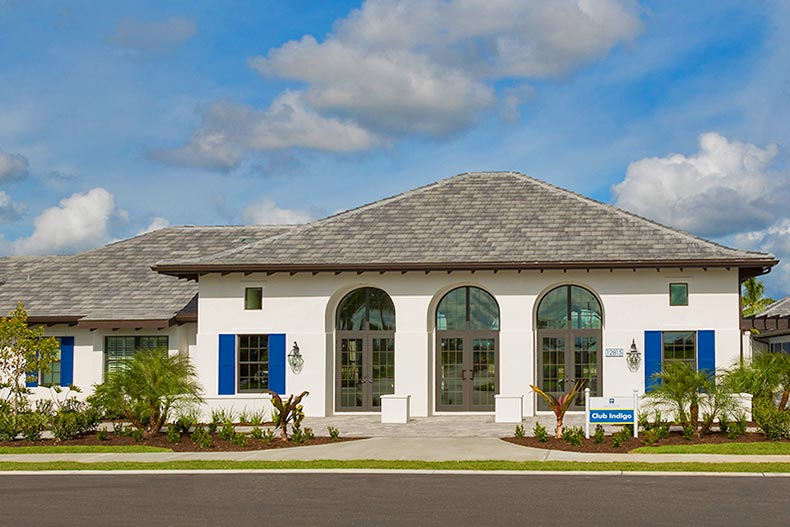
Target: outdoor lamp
(633,357)
(295,359)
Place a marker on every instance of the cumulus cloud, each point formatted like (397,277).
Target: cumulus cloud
(266,212)
(229,129)
(9,210)
(425,67)
(80,222)
(726,188)
(13,167)
(157,223)
(152,35)
(775,240)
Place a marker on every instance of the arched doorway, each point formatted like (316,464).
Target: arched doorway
(569,342)
(365,367)
(467,350)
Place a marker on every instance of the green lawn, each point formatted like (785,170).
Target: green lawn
(405,465)
(81,449)
(765,448)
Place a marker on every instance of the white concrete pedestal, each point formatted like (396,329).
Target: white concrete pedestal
(395,408)
(509,408)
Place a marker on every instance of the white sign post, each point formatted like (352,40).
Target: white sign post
(616,410)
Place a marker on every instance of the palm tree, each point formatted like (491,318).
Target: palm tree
(752,298)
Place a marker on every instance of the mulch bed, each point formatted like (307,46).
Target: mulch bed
(185,445)
(588,445)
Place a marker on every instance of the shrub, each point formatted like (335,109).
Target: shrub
(8,427)
(222,415)
(137,434)
(73,419)
(201,437)
(737,428)
(334,433)
(240,439)
(101,434)
(573,435)
(622,436)
(227,432)
(257,418)
(540,432)
(688,432)
(31,425)
(118,428)
(185,421)
(173,435)
(256,433)
(268,435)
(519,433)
(599,435)
(148,388)
(774,423)
(299,436)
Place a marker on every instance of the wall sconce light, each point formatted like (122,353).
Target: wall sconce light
(633,357)
(295,359)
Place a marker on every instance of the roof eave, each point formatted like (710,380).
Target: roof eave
(194,270)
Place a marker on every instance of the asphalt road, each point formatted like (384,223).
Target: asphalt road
(384,499)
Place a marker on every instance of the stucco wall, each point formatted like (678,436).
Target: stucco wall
(303,307)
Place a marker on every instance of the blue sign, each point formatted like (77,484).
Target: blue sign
(612,416)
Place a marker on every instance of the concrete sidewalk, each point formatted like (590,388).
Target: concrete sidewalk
(401,448)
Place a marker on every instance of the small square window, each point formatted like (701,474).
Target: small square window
(678,294)
(253,298)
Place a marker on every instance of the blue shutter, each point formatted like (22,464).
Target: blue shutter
(277,363)
(653,346)
(66,361)
(34,382)
(706,351)
(227,365)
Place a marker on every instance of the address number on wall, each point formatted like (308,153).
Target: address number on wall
(614,352)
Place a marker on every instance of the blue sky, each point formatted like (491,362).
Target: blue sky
(118,117)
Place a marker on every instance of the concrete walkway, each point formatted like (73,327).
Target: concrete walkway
(401,448)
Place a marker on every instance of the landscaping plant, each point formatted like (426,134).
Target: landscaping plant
(148,388)
(766,376)
(519,433)
(573,435)
(540,432)
(599,436)
(560,404)
(287,412)
(334,433)
(24,352)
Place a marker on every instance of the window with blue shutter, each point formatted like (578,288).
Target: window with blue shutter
(227,365)
(653,348)
(66,361)
(277,362)
(706,351)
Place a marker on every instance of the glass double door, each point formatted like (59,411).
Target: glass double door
(565,357)
(467,375)
(365,370)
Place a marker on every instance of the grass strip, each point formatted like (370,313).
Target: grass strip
(81,449)
(402,465)
(761,448)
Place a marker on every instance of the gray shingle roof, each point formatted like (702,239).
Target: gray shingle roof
(780,308)
(115,282)
(475,219)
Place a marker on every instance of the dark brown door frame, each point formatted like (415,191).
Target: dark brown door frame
(367,337)
(468,372)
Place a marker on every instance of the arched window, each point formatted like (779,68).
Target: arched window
(467,348)
(365,350)
(568,323)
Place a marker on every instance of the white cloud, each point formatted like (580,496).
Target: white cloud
(152,35)
(9,210)
(13,167)
(229,129)
(776,240)
(725,188)
(80,222)
(157,223)
(266,212)
(393,68)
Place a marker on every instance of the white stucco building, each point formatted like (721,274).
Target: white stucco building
(459,295)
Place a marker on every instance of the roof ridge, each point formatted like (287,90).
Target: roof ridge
(633,215)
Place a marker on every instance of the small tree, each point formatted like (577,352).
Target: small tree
(766,377)
(24,352)
(559,405)
(289,411)
(147,388)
